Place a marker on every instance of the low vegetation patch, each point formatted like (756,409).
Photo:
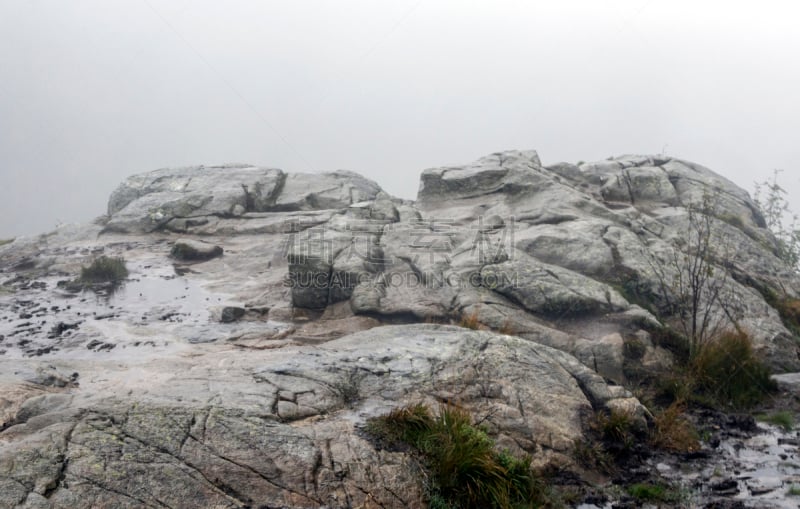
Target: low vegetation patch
(783,420)
(728,371)
(508,329)
(3,242)
(787,308)
(465,469)
(619,434)
(671,341)
(653,493)
(725,373)
(470,321)
(593,456)
(672,431)
(104,269)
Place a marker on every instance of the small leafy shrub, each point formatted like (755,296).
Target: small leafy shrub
(784,420)
(465,469)
(673,432)
(104,269)
(727,370)
(615,425)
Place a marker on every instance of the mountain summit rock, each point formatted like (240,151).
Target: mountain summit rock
(348,302)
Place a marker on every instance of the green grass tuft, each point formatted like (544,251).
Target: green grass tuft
(784,420)
(593,455)
(652,493)
(618,431)
(104,270)
(728,371)
(466,470)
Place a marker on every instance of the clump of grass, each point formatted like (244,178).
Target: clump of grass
(470,321)
(593,456)
(104,269)
(787,308)
(784,420)
(466,470)
(508,329)
(793,491)
(674,342)
(618,430)
(651,493)
(725,373)
(671,431)
(675,387)
(634,348)
(728,371)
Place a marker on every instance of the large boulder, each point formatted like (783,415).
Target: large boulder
(189,250)
(193,196)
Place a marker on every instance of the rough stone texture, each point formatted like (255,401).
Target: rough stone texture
(157,396)
(211,427)
(194,196)
(194,250)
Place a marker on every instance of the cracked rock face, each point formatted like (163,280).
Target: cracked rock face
(218,427)
(178,199)
(244,379)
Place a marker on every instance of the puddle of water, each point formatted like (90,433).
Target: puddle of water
(41,320)
(764,467)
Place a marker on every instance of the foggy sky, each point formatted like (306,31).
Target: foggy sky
(92,91)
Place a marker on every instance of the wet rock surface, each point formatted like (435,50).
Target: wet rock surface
(211,424)
(245,380)
(193,250)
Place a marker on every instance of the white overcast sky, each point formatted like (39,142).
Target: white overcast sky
(92,91)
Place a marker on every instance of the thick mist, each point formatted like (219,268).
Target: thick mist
(93,91)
